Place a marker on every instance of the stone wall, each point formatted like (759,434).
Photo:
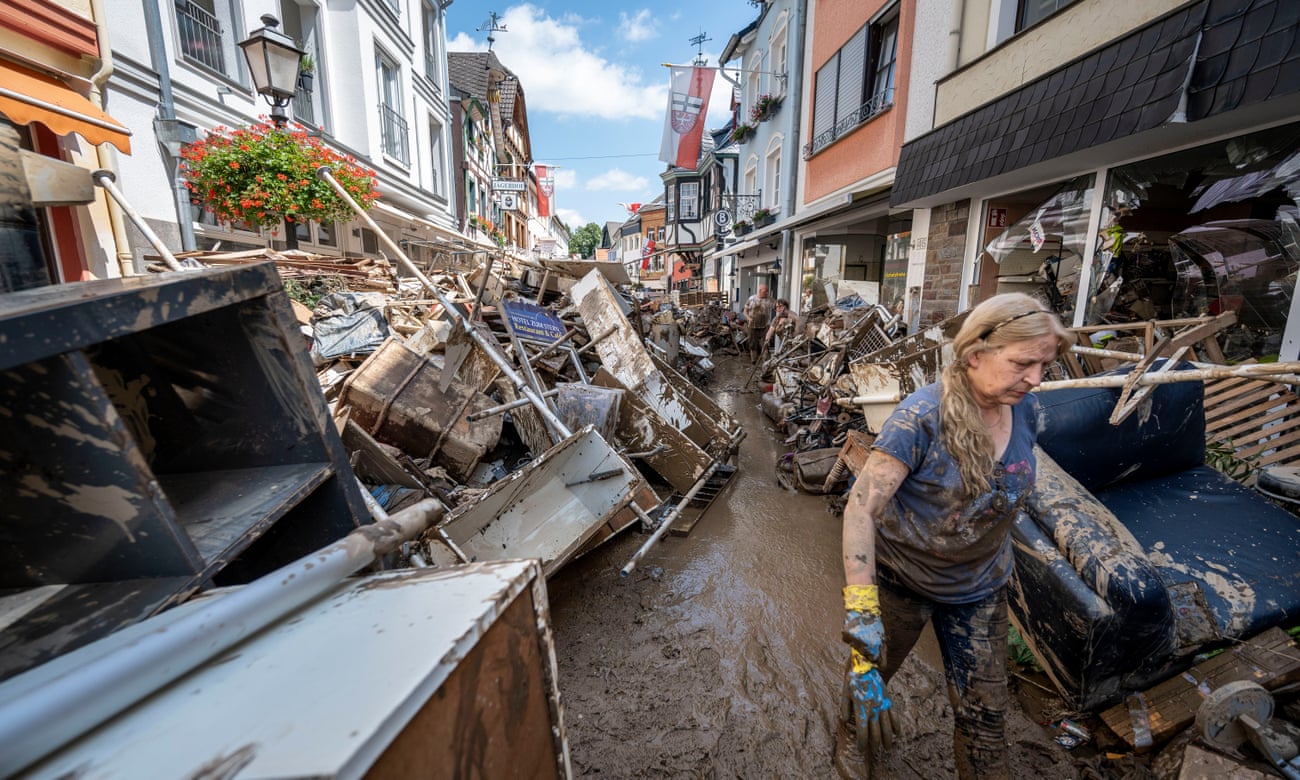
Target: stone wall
(944,253)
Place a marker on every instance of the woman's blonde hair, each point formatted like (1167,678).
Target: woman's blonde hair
(995,323)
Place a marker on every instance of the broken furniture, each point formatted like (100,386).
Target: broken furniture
(411,673)
(161,432)
(1138,555)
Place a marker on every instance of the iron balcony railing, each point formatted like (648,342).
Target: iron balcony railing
(742,207)
(303,110)
(872,106)
(394,132)
(200,34)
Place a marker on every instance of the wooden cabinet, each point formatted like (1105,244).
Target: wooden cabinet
(157,433)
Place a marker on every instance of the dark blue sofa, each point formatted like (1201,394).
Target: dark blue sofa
(1134,555)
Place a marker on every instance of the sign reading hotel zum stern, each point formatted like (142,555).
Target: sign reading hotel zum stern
(531,321)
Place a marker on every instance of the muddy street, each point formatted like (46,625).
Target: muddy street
(720,655)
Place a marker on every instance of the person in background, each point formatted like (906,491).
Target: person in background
(927,528)
(758,315)
(782,323)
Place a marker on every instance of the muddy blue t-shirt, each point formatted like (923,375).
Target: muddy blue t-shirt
(941,546)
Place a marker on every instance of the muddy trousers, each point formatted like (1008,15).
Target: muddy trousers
(973,641)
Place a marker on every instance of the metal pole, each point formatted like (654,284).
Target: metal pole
(39,715)
(492,349)
(105,180)
(503,408)
(668,521)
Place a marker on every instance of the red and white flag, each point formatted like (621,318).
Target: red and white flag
(545,190)
(688,103)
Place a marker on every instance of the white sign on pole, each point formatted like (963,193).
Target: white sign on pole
(509,185)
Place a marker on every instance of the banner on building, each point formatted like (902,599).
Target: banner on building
(545,190)
(688,104)
(647,252)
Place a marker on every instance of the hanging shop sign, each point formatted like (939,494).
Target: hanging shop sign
(509,185)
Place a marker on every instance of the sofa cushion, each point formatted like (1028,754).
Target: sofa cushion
(1200,526)
(1165,435)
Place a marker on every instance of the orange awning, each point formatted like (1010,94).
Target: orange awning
(27,96)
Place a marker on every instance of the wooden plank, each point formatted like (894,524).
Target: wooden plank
(1272,443)
(1270,659)
(224,511)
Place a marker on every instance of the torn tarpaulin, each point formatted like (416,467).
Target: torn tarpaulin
(348,324)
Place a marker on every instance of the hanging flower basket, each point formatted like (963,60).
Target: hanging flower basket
(742,228)
(262,175)
(741,132)
(763,218)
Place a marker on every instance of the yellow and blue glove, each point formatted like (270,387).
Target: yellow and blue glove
(865,633)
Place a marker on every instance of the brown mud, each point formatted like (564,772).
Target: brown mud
(720,655)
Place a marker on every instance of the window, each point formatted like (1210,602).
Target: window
(369,242)
(772,179)
(856,83)
(203,26)
(778,62)
(670,203)
(751,177)
(325,234)
(431,38)
(299,23)
(1031,12)
(753,84)
(392,126)
(688,201)
(435,158)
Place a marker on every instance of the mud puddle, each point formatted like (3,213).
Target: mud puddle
(720,655)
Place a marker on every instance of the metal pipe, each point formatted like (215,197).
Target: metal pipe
(492,349)
(668,521)
(863,400)
(49,713)
(612,330)
(554,345)
(503,408)
(105,153)
(1252,371)
(105,180)
(160,60)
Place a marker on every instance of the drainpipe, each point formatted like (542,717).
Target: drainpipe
(792,194)
(167,106)
(958,10)
(104,153)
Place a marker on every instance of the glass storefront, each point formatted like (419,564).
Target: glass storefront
(1034,242)
(1202,232)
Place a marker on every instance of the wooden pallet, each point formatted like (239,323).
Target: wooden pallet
(1258,419)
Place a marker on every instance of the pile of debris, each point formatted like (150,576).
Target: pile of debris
(536,413)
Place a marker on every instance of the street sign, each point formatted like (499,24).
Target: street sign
(508,201)
(722,218)
(509,185)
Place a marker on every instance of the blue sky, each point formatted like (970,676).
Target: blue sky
(596,89)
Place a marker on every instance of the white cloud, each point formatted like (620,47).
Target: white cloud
(618,180)
(639,27)
(561,75)
(571,218)
(565,178)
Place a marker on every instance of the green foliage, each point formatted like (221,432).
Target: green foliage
(262,174)
(1019,651)
(1222,455)
(584,241)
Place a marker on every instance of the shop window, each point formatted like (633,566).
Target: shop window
(1203,232)
(1035,245)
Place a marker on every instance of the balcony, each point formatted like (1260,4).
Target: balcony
(303,110)
(200,35)
(876,104)
(394,134)
(742,207)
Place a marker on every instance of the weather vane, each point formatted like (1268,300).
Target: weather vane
(491,26)
(698,41)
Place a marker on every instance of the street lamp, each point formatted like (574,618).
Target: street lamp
(274,63)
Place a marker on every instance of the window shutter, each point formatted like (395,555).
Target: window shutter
(853,71)
(824,101)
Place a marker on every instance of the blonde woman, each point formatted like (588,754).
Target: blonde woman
(927,528)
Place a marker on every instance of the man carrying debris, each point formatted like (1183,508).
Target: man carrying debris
(758,315)
(927,528)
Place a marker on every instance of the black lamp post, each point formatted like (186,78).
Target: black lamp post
(274,62)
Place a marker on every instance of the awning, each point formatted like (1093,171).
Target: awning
(403,217)
(27,96)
